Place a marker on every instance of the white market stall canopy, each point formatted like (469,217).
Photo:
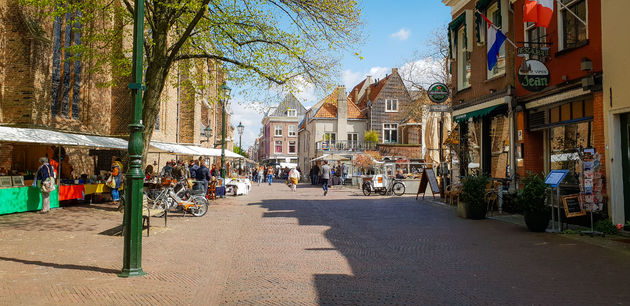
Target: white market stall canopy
(331,157)
(163,147)
(41,136)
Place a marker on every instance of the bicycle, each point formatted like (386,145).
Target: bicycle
(168,199)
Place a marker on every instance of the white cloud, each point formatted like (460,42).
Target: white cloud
(402,34)
(351,78)
(422,72)
(250,114)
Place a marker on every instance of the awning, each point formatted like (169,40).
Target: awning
(332,157)
(41,136)
(474,114)
(165,147)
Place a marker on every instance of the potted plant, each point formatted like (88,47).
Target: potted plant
(531,201)
(473,192)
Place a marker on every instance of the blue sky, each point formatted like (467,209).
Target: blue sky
(394,32)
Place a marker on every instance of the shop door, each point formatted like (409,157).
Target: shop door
(625,161)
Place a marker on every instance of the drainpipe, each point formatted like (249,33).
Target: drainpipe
(178,101)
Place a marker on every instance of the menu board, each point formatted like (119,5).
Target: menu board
(572,207)
(428,178)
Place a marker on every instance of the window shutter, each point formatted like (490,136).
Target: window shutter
(504,7)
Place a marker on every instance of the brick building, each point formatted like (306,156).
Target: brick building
(279,141)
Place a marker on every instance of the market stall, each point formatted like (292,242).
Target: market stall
(24,147)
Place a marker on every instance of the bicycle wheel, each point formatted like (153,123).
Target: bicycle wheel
(366,189)
(398,188)
(201,206)
(382,191)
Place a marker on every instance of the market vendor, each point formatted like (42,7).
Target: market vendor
(117,175)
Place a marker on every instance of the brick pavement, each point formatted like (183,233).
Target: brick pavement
(281,248)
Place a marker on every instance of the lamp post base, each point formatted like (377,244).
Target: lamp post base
(131,273)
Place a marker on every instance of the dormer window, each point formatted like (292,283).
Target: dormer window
(391,105)
(291,112)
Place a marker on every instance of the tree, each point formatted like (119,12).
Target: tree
(240,151)
(371,136)
(259,42)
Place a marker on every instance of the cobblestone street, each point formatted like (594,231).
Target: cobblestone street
(283,248)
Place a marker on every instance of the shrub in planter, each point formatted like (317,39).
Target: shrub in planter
(473,193)
(531,201)
(605,226)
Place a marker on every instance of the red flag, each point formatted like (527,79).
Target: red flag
(538,12)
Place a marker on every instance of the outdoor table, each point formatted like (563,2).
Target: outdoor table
(27,198)
(71,192)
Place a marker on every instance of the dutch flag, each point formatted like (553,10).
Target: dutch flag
(496,38)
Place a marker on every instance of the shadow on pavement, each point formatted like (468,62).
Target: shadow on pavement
(60,266)
(403,251)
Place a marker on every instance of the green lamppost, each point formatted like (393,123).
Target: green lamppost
(225,96)
(132,221)
(240,129)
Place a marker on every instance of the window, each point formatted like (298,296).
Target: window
(292,147)
(390,133)
(278,146)
(330,137)
(494,15)
(278,130)
(535,37)
(292,129)
(291,113)
(572,31)
(353,140)
(157,123)
(463,61)
(391,105)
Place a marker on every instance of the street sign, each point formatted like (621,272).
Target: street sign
(439,108)
(438,93)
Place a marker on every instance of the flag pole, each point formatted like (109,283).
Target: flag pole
(493,25)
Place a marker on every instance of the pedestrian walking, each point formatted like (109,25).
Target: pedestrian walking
(315,175)
(261,174)
(270,175)
(294,177)
(203,176)
(45,177)
(325,175)
(344,175)
(192,168)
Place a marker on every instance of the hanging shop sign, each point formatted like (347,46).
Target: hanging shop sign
(533,75)
(438,93)
(439,108)
(523,51)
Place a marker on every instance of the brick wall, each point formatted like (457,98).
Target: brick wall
(533,149)
(394,89)
(6,154)
(599,141)
(409,151)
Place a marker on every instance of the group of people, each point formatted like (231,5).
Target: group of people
(292,175)
(339,172)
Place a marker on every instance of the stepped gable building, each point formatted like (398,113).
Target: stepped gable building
(279,142)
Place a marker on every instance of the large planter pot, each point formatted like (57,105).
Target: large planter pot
(537,222)
(477,211)
(462,209)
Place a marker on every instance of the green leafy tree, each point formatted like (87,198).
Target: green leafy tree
(371,136)
(262,43)
(240,151)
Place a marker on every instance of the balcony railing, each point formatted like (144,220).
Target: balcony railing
(343,145)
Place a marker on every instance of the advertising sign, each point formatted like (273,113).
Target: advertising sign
(438,93)
(533,75)
(439,108)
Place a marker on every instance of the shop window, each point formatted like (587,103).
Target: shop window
(474,146)
(577,109)
(573,32)
(588,108)
(494,15)
(555,115)
(565,112)
(500,139)
(565,142)
(464,66)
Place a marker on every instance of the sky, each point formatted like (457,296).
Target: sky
(395,33)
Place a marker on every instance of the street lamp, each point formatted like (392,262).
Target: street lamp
(240,129)
(225,96)
(207,132)
(132,220)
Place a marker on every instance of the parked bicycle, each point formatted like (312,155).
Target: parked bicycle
(177,196)
(383,185)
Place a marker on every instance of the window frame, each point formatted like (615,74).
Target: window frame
(290,111)
(387,132)
(389,105)
(275,146)
(292,133)
(560,9)
(540,40)
(461,59)
(353,139)
(294,143)
(495,72)
(275,130)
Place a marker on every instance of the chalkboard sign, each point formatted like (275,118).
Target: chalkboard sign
(428,178)
(572,207)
